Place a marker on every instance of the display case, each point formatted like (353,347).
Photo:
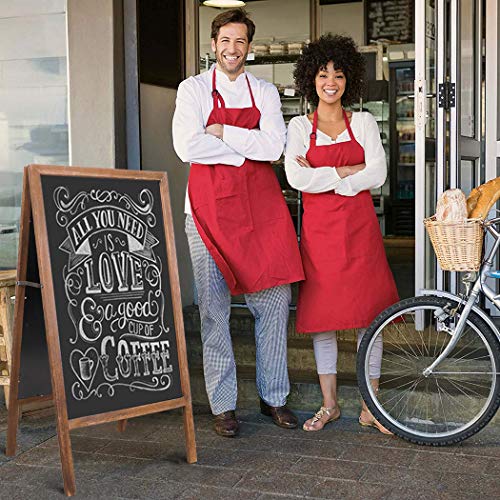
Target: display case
(376,101)
(402,140)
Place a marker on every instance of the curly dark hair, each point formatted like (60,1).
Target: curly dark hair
(343,51)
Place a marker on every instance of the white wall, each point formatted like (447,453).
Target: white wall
(157,109)
(91,83)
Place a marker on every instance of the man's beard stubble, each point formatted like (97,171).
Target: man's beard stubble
(222,63)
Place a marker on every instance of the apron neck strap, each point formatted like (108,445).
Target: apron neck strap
(217,98)
(348,125)
(250,90)
(312,136)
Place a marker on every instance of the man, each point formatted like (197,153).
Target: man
(228,125)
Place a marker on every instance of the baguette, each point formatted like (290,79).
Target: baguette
(482,198)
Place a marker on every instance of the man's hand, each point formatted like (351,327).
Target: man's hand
(302,161)
(216,129)
(350,170)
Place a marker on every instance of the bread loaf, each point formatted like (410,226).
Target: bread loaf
(451,206)
(482,198)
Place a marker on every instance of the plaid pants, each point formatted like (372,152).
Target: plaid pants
(270,309)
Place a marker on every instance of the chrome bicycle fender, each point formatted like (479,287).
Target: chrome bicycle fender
(476,309)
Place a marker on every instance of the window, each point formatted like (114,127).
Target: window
(33,103)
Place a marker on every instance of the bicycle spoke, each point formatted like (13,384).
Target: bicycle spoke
(462,391)
(408,394)
(441,399)
(456,394)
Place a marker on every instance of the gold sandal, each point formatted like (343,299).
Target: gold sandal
(318,416)
(375,424)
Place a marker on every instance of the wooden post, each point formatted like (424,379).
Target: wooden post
(52,333)
(179,323)
(122,425)
(22,264)
(314,17)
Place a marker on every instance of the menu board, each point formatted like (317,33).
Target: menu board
(391,19)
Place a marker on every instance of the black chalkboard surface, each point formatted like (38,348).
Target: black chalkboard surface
(111,285)
(103,253)
(34,376)
(391,19)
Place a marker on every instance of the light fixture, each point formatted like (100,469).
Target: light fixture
(224,4)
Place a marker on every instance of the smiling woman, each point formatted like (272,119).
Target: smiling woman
(335,157)
(340,49)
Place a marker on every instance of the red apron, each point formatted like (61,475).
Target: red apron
(348,280)
(241,214)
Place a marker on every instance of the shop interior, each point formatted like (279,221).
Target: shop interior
(384,33)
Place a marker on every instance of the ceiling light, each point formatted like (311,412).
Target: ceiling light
(224,4)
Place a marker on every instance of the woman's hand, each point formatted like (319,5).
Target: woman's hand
(350,170)
(302,161)
(216,129)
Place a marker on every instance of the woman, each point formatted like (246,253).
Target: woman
(335,157)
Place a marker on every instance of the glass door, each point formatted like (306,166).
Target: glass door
(449,83)
(429,135)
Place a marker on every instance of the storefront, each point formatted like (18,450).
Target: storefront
(80,90)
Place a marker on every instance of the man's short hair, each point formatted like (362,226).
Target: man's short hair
(233,16)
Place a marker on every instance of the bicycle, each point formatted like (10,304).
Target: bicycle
(440,373)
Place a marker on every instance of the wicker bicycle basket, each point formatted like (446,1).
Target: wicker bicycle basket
(458,245)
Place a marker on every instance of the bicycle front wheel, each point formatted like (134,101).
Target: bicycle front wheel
(462,394)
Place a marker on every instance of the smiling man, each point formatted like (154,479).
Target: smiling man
(228,125)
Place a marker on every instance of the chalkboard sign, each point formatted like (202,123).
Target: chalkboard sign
(111,286)
(111,302)
(391,19)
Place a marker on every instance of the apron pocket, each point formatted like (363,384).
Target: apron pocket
(233,213)
(364,236)
(232,206)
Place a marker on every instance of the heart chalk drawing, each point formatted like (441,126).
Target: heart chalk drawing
(85,365)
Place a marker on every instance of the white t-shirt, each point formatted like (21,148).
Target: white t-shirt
(323,179)
(193,106)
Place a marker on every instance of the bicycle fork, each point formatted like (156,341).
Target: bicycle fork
(457,332)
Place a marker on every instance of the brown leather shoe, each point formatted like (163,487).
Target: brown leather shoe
(226,424)
(281,415)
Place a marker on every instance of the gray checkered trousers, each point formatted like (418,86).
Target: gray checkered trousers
(270,309)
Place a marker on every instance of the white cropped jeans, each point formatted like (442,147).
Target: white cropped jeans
(326,352)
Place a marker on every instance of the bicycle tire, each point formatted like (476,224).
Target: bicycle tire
(402,430)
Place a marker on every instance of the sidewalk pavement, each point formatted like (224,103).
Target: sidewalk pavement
(265,462)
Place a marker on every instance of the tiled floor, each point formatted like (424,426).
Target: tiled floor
(344,461)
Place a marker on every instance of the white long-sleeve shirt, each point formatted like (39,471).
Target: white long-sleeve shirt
(194,104)
(323,179)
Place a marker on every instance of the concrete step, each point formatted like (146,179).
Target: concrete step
(305,390)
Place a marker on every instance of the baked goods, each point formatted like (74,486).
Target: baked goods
(451,206)
(482,198)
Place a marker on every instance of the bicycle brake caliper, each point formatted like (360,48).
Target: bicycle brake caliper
(442,315)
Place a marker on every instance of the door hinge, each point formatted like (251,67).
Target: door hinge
(446,95)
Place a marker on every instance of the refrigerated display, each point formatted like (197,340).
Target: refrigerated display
(402,141)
